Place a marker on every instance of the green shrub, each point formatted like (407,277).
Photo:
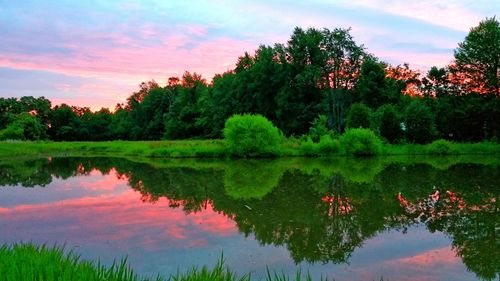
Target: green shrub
(24,126)
(327,145)
(319,128)
(12,133)
(358,116)
(360,142)
(308,147)
(251,135)
(441,147)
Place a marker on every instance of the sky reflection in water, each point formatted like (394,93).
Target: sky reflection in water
(347,221)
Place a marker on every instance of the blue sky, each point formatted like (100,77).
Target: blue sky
(95,53)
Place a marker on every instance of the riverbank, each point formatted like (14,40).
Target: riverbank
(23,262)
(218,149)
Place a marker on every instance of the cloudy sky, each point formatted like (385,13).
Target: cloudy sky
(95,53)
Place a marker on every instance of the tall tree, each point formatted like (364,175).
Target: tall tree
(343,61)
(299,100)
(373,88)
(477,59)
(181,119)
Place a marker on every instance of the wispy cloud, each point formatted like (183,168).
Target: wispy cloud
(453,14)
(121,43)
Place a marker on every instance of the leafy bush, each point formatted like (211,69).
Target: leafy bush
(319,128)
(358,116)
(251,135)
(24,126)
(327,145)
(441,147)
(308,147)
(12,133)
(360,142)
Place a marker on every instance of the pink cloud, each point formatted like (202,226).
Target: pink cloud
(459,15)
(115,63)
(170,57)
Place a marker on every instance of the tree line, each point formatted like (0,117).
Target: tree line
(319,82)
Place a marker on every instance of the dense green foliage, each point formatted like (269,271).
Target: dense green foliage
(419,122)
(328,146)
(373,87)
(24,127)
(319,82)
(359,116)
(319,128)
(478,59)
(388,123)
(360,142)
(251,135)
(441,147)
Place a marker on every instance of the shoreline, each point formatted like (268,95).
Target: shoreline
(217,149)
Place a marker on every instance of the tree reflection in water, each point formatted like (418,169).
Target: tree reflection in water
(320,211)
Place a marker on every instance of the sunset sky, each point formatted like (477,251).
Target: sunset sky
(95,53)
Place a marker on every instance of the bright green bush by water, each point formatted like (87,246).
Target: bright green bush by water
(360,142)
(251,135)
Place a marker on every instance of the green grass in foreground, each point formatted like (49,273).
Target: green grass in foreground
(218,149)
(28,262)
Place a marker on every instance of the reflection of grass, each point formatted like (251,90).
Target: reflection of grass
(23,262)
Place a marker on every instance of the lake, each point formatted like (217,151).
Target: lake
(348,219)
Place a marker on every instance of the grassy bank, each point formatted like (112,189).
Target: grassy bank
(27,262)
(151,149)
(218,149)
(23,262)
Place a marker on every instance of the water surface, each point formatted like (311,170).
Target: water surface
(348,219)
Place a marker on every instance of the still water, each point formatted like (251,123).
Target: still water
(348,219)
